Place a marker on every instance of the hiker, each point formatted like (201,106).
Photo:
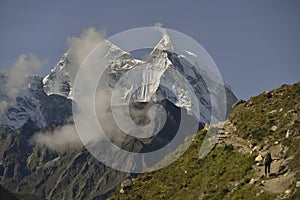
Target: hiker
(267,160)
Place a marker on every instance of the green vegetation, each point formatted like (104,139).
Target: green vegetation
(254,119)
(294,164)
(226,173)
(217,176)
(280,107)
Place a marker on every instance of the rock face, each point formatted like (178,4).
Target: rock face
(34,104)
(27,167)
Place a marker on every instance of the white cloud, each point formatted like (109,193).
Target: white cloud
(160,28)
(80,47)
(66,136)
(26,64)
(59,139)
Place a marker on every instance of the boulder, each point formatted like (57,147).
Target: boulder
(259,158)
(288,133)
(258,194)
(288,191)
(268,94)
(255,148)
(122,191)
(273,111)
(274,128)
(250,103)
(286,174)
(240,101)
(298,184)
(252,181)
(206,127)
(126,184)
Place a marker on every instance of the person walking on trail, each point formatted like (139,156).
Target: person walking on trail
(268,160)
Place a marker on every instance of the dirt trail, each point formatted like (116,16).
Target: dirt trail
(280,178)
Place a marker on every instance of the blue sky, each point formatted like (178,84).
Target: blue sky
(255,44)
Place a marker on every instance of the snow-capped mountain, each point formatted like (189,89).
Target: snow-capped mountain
(52,95)
(164,67)
(162,63)
(62,76)
(43,102)
(33,104)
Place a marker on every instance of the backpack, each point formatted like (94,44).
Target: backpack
(268,158)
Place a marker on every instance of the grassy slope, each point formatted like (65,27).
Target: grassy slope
(255,118)
(224,173)
(214,177)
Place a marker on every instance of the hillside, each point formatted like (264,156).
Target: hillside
(234,169)
(28,168)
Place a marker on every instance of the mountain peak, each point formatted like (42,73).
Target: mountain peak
(62,76)
(164,44)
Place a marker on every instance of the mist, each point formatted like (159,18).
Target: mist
(80,47)
(26,64)
(61,139)
(13,80)
(89,130)
(65,137)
